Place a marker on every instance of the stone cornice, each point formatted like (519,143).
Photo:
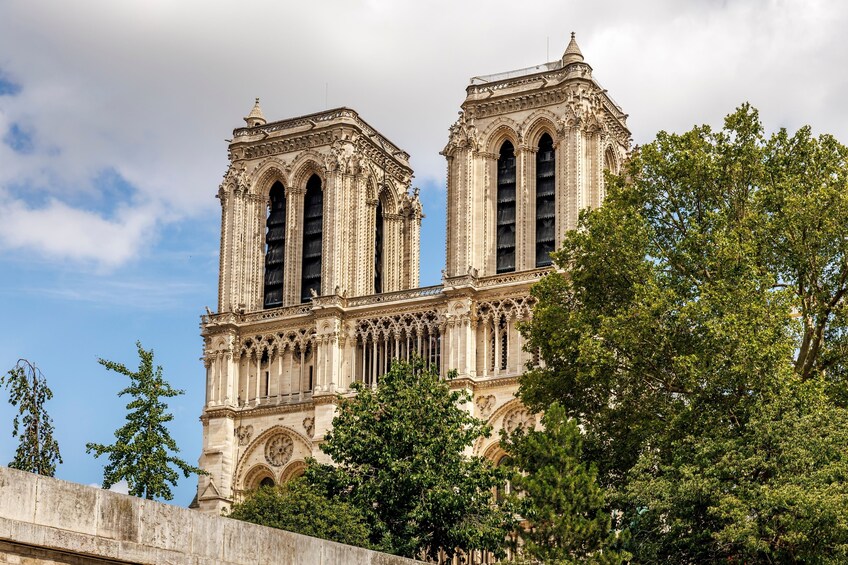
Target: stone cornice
(505,97)
(310,121)
(320,129)
(256,411)
(476,384)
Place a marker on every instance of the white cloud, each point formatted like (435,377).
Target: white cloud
(121,487)
(58,230)
(150,89)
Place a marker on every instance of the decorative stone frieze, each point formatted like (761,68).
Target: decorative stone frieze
(278,450)
(519,418)
(485,405)
(243,434)
(309,426)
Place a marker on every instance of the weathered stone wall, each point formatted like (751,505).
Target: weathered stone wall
(46,521)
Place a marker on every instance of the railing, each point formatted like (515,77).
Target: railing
(273,314)
(521,276)
(261,315)
(300,121)
(275,399)
(395,296)
(544,67)
(616,105)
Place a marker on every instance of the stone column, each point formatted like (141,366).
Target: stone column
(522,204)
(294,246)
(392,252)
(368,242)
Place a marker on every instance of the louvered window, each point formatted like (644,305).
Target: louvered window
(378,250)
(506,209)
(545,201)
(313,224)
(275,246)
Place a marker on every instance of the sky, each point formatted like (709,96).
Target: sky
(114,116)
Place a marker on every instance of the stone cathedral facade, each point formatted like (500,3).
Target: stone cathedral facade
(318,284)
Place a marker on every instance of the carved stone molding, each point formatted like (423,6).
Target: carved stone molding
(309,426)
(278,450)
(463,134)
(519,418)
(244,433)
(485,405)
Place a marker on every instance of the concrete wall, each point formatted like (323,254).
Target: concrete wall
(46,521)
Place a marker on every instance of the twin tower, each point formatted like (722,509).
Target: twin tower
(318,283)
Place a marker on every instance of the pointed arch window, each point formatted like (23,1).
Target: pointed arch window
(506,209)
(545,200)
(313,226)
(609,161)
(378,249)
(275,246)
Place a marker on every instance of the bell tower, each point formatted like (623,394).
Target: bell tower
(314,206)
(527,153)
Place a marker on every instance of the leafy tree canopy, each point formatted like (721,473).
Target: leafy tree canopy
(299,507)
(143,449)
(699,339)
(400,458)
(558,495)
(38,450)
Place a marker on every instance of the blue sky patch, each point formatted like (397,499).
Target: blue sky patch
(19,139)
(7,86)
(112,192)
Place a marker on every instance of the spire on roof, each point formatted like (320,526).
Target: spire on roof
(572,53)
(255,117)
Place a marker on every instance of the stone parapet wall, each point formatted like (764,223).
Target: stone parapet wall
(44,521)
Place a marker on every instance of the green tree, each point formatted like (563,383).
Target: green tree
(299,507)
(38,450)
(143,450)
(399,453)
(700,335)
(558,495)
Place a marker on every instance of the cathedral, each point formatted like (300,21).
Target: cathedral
(319,262)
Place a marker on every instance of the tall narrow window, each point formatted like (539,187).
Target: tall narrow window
(313,224)
(609,161)
(378,249)
(506,209)
(275,246)
(545,201)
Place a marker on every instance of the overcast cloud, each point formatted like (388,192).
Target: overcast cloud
(113,115)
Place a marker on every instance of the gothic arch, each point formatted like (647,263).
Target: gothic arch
(256,474)
(279,342)
(302,443)
(569,117)
(293,470)
(388,199)
(611,161)
(266,174)
(371,187)
(220,343)
(304,166)
(236,181)
(499,131)
(484,444)
(513,308)
(494,452)
(537,123)
(387,193)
